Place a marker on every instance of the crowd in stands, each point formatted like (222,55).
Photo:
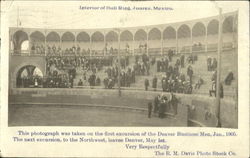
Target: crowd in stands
(38,49)
(53,50)
(62,70)
(197,46)
(173,79)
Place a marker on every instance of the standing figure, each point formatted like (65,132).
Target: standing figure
(154,84)
(146,83)
(149,109)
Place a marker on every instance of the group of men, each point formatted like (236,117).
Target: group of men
(162,104)
(173,80)
(74,50)
(37,49)
(211,64)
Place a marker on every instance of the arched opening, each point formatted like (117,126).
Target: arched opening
(53,37)
(169,39)
(154,34)
(111,36)
(25,46)
(213,27)
(140,35)
(111,42)
(228,29)
(68,43)
(227,25)
(19,38)
(53,43)
(184,32)
(29,76)
(140,41)
(98,44)
(83,37)
(37,42)
(154,37)
(83,42)
(198,35)
(126,38)
(184,38)
(212,34)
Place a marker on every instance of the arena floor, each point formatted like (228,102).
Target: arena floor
(66,115)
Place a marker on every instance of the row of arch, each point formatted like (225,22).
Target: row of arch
(184,31)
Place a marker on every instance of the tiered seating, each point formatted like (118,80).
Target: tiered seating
(200,68)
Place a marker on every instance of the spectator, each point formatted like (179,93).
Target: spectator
(149,109)
(80,83)
(182,61)
(229,78)
(214,64)
(156,103)
(190,73)
(154,84)
(146,84)
(213,90)
(209,64)
(199,83)
(174,102)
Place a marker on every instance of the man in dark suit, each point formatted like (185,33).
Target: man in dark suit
(156,103)
(154,84)
(149,109)
(146,84)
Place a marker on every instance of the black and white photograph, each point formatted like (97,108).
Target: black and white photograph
(124,79)
(69,70)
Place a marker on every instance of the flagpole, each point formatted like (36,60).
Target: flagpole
(218,70)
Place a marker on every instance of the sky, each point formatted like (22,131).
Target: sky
(67,15)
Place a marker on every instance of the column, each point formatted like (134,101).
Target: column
(29,46)
(162,43)
(61,41)
(219,71)
(104,49)
(133,45)
(206,39)
(191,48)
(75,40)
(10,40)
(177,50)
(90,53)
(45,44)
(147,43)
(45,53)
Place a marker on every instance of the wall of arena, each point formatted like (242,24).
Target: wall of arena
(193,110)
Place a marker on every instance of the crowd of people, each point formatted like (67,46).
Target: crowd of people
(75,50)
(211,64)
(173,79)
(162,104)
(62,70)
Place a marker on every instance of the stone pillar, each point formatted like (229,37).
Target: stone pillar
(206,39)
(104,40)
(162,43)
(29,45)
(177,49)
(147,45)
(45,44)
(191,36)
(133,45)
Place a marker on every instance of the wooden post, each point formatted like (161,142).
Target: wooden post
(218,70)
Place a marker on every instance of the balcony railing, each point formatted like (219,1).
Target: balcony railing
(123,52)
